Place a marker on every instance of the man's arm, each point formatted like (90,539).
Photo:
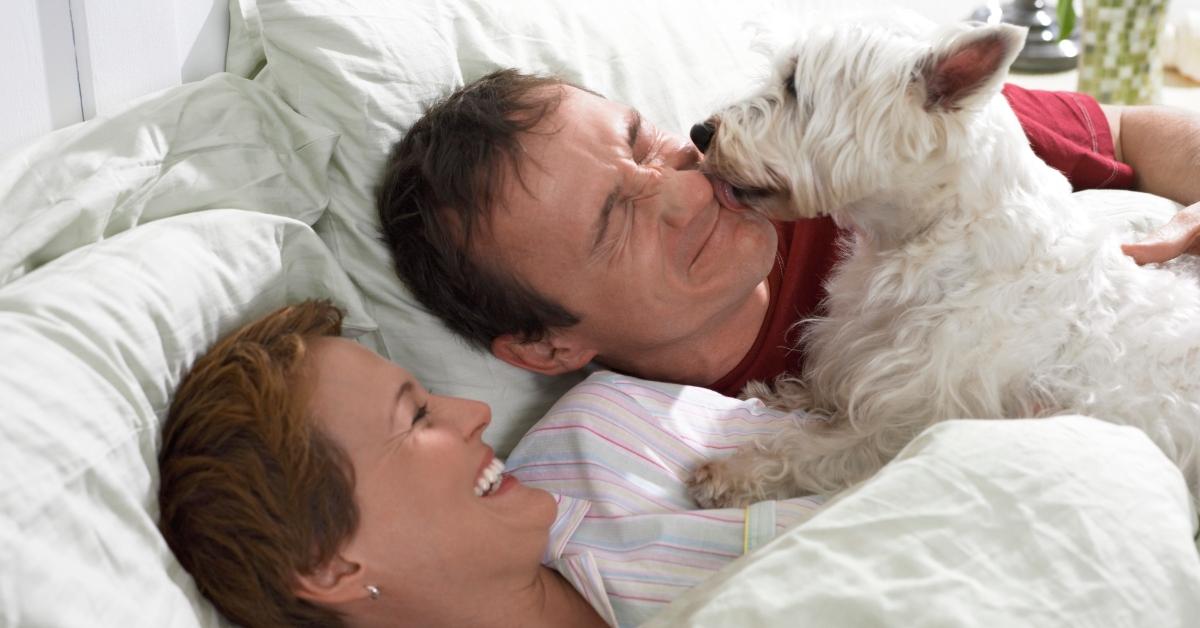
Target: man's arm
(1162,144)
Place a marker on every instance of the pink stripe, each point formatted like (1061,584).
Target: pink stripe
(640,599)
(691,514)
(694,550)
(614,442)
(722,559)
(696,445)
(720,415)
(736,413)
(664,507)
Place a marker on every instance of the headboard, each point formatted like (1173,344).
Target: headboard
(64,61)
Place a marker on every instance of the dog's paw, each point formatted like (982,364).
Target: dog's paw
(712,486)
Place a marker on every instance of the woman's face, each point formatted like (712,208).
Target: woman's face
(423,531)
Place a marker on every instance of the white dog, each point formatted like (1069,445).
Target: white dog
(975,285)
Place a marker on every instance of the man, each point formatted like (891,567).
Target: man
(554,227)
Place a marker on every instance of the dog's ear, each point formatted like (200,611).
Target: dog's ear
(968,67)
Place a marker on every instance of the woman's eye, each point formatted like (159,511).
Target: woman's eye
(421,412)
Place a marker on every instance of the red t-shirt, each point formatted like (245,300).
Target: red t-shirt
(1067,130)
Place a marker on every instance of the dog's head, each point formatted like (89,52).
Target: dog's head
(851,112)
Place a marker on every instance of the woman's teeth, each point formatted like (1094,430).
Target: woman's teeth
(489,480)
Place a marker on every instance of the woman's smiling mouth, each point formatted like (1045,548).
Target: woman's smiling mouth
(489,478)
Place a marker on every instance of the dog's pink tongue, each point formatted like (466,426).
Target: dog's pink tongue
(726,197)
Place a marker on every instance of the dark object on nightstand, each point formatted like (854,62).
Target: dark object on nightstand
(1043,51)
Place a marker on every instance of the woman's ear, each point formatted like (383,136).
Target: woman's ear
(338,581)
(554,354)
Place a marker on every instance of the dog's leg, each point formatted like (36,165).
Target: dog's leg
(785,393)
(755,472)
(816,457)
(759,470)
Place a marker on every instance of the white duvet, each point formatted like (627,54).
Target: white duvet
(1056,522)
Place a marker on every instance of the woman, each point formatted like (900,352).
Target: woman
(308,482)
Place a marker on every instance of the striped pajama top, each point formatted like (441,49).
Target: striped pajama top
(615,451)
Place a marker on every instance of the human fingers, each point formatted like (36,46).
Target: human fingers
(1180,235)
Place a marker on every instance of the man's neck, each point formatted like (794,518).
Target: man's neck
(709,354)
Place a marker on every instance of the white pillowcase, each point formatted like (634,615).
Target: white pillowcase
(367,68)
(95,343)
(224,142)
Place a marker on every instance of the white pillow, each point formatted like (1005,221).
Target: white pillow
(224,142)
(99,318)
(367,68)
(94,344)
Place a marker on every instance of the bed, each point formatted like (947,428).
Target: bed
(131,242)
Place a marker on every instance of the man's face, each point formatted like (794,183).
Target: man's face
(614,222)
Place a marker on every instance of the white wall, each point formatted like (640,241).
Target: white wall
(63,61)
(949,10)
(37,69)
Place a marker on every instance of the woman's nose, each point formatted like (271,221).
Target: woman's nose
(471,417)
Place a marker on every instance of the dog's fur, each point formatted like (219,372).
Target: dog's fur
(975,285)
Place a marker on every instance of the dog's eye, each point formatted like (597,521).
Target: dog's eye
(789,83)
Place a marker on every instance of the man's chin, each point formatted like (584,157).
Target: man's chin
(758,240)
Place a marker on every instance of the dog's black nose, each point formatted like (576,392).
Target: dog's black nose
(702,134)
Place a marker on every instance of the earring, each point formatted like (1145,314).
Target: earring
(372,591)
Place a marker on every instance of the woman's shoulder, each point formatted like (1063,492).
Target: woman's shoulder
(648,397)
(615,430)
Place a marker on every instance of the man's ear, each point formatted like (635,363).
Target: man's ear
(967,68)
(338,581)
(554,354)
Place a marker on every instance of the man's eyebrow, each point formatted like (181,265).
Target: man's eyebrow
(634,126)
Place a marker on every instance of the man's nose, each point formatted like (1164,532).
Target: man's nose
(702,134)
(686,193)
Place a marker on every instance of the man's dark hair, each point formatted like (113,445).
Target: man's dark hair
(441,184)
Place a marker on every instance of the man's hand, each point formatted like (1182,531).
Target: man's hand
(1181,235)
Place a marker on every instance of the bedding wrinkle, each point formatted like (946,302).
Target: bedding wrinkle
(222,142)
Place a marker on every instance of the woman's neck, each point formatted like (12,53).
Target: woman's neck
(556,603)
(545,600)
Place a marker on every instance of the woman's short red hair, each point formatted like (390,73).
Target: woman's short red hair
(252,492)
